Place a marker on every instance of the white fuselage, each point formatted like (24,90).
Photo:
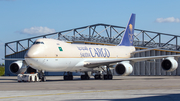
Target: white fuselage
(55,55)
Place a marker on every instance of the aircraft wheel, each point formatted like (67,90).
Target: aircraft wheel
(97,77)
(70,77)
(110,77)
(44,79)
(87,77)
(65,77)
(82,77)
(105,77)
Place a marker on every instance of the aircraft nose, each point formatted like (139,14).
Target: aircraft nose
(34,52)
(31,53)
(31,57)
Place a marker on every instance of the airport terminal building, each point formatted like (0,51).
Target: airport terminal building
(105,34)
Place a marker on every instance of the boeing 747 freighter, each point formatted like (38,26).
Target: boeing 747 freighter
(58,56)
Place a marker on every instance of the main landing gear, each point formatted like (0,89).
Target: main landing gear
(85,76)
(68,76)
(102,74)
(42,76)
(103,77)
(107,76)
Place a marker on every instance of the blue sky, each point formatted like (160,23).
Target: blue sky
(21,19)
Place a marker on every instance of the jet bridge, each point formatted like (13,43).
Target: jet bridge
(105,34)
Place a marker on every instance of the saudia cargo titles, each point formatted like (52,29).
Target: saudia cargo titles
(58,56)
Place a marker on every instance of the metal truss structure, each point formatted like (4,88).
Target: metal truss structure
(101,33)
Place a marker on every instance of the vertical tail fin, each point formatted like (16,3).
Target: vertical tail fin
(127,39)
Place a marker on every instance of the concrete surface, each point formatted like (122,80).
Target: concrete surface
(126,88)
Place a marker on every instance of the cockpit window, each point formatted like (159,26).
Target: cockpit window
(38,43)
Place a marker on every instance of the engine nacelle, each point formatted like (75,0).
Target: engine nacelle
(169,64)
(123,68)
(18,67)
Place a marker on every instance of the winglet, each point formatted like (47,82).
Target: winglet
(127,39)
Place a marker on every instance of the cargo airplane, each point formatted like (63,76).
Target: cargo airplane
(58,56)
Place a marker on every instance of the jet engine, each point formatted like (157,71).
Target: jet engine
(18,67)
(169,64)
(123,68)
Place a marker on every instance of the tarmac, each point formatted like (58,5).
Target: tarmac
(123,88)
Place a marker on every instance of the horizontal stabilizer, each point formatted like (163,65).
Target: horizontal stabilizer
(13,59)
(144,50)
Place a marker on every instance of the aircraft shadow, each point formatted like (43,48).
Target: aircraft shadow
(8,79)
(169,97)
(78,79)
(92,79)
(3,80)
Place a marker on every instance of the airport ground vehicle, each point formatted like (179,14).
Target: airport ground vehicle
(28,78)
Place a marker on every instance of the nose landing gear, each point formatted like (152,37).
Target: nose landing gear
(42,76)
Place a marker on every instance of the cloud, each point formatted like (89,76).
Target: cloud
(170,19)
(36,30)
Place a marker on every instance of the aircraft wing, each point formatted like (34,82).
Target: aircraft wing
(95,63)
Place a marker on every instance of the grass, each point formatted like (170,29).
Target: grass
(2,70)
